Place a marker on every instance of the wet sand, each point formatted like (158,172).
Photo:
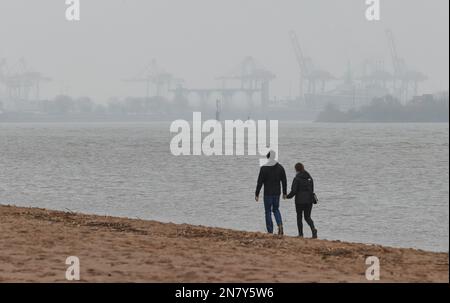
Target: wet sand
(34,245)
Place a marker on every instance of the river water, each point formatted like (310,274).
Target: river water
(377,183)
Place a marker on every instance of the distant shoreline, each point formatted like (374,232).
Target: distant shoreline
(150,119)
(36,243)
(277,114)
(424,109)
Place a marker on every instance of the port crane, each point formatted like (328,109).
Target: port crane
(154,76)
(20,80)
(308,73)
(403,76)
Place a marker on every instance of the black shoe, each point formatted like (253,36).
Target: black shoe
(314,233)
(300,236)
(280,230)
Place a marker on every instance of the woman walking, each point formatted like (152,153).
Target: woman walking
(303,190)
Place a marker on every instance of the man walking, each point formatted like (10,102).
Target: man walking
(271,175)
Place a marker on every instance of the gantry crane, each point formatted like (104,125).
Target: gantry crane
(252,77)
(153,75)
(20,79)
(403,77)
(308,73)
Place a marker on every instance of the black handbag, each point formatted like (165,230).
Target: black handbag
(315,199)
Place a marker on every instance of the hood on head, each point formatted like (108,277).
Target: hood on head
(271,154)
(271,159)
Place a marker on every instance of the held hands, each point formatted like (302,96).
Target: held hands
(257,198)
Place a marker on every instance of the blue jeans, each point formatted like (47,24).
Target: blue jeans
(272,204)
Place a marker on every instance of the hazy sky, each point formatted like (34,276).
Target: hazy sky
(199,40)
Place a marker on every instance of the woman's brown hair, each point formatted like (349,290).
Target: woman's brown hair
(299,167)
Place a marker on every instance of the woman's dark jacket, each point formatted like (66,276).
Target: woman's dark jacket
(302,188)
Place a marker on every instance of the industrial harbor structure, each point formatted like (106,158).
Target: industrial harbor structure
(20,84)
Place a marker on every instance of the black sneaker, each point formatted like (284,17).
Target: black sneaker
(314,233)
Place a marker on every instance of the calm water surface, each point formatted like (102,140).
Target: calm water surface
(377,183)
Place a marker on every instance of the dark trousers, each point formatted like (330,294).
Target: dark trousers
(304,210)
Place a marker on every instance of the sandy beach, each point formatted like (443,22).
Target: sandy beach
(35,243)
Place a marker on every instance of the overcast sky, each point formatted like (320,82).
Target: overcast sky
(199,40)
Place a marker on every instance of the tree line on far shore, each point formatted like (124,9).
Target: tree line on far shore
(425,108)
(66,105)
